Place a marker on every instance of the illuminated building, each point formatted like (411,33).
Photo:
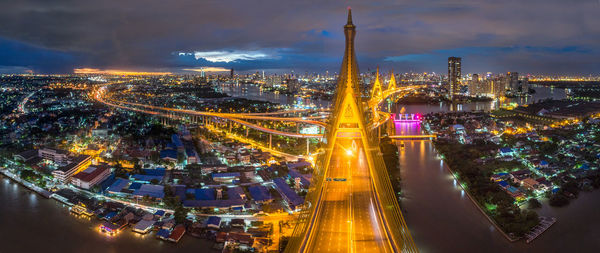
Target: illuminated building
(55,155)
(91,176)
(78,163)
(293,85)
(454,76)
(512,81)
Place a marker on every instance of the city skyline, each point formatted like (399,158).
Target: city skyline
(228,126)
(549,37)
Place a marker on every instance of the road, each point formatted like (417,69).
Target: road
(347,219)
(21,106)
(234,117)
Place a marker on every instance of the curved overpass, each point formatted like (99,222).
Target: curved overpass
(238,118)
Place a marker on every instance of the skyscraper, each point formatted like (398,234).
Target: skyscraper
(512,83)
(475,87)
(454,75)
(231,74)
(293,85)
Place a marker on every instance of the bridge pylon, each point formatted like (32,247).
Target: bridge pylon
(350,178)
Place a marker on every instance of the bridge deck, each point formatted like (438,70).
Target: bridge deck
(347,219)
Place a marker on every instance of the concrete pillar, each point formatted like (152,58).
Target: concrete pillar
(270,140)
(307,146)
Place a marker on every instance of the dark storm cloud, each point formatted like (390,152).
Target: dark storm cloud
(303,35)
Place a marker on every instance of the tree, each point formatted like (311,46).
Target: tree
(180,157)
(137,168)
(534,203)
(180,213)
(559,200)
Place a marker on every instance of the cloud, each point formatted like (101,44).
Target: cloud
(15,70)
(229,56)
(207,69)
(301,35)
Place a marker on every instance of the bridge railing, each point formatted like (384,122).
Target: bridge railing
(299,238)
(388,203)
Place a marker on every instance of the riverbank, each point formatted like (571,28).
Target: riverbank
(509,238)
(28,185)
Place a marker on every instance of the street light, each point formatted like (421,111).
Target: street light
(348,152)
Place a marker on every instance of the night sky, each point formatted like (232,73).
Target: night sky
(528,36)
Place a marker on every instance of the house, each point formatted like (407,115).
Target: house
(150,190)
(236,193)
(503,184)
(457,128)
(118,186)
(244,157)
(289,195)
(213,222)
(544,184)
(260,194)
(506,151)
(520,175)
(177,233)
(168,155)
(146,179)
(192,156)
(530,183)
(226,177)
(238,223)
(26,155)
(163,234)
(499,176)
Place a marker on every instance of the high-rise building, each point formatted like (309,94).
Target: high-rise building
(273,80)
(454,76)
(293,85)
(475,86)
(231,74)
(525,85)
(512,81)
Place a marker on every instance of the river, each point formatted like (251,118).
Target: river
(442,218)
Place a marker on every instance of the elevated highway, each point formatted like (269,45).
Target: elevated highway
(239,118)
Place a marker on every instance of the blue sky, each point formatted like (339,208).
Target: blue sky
(534,36)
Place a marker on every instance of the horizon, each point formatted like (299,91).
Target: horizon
(538,37)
